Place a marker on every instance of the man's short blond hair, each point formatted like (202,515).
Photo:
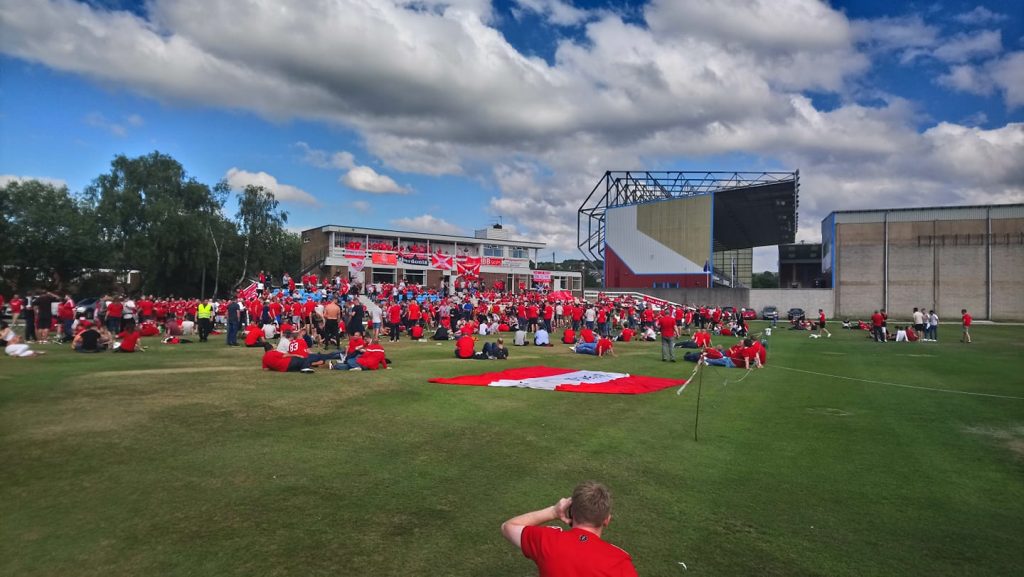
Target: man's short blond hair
(591,503)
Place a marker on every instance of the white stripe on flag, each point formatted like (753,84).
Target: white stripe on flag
(550,383)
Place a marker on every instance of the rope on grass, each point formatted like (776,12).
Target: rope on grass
(888,384)
(689,378)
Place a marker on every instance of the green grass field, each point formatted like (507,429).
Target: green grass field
(190,460)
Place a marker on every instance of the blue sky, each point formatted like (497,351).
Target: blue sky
(444,115)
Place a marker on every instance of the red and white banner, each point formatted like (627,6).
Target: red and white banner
(492,261)
(566,380)
(542,276)
(248,292)
(355,265)
(468,265)
(442,261)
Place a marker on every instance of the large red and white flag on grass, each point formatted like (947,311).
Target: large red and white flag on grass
(566,380)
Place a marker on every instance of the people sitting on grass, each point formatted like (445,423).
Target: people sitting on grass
(91,340)
(274,360)
(416,332)
(649,334)
(372,358)
(569,336)
(441,334)
(742,355)
(520,338)
(587,335)
(13,347)
(603,346)
(626,335)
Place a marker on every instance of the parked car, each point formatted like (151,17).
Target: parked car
(729,311)
(795,313)
(769,313)
(86,307)
(748,314)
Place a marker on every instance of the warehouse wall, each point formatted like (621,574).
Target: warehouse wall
(1007,269)
(860,260)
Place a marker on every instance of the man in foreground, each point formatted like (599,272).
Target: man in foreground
(578,551)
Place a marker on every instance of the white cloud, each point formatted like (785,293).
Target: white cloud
(556,11)
(1004,74)
(967,78)
(980,15)
(427,223)
(6,179)
(238,179)
(970,46)
(1008,74)
(343,160)
(366,179)
(98,120)
(896,33)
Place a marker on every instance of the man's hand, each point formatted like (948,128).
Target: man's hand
(562,510)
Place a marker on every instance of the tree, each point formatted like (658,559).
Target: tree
(766,279)
(156,218)
(261,226)
(49,235)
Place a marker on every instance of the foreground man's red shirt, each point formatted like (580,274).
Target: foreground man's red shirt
(574,553)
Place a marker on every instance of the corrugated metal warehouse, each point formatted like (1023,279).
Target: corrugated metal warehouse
(942,258)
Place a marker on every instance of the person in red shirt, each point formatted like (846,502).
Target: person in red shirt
(416,332)
(966,321)
(372,359)
(16,305)
(876,326)
(587,335)
(274,360)
(578,551)
(394,321)
(254,336)
(667,327)
(129,342)
(821,324)
(604,346)
(464,347)
(569,336)
(626,335)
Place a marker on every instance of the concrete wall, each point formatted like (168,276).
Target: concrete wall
(808,299)
(698,296)
(1007,269)
(860,267)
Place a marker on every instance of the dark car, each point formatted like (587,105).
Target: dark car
(748,314)
(795,314)
(769,313)
(86,308)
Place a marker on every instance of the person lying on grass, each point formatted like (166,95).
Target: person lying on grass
(602,347)
(12,344)
(578,551)
(274,360)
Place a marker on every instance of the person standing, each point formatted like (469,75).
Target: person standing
(933,327)
(667,326)
(332,318)
(821,324)
(966,320)
(234,322)
(578,551)
(204,316)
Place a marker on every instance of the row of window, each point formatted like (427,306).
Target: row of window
(496,250)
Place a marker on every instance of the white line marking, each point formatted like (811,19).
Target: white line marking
(898,384)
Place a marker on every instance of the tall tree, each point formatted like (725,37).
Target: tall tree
(155,218)
(261,226)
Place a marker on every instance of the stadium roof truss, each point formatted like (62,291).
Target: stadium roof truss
(750,208)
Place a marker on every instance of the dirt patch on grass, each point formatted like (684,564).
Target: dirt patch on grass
(147,372)
(1010,437)
(828,411)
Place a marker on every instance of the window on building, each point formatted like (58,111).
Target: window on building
(494,250)
(415,276)
(383,275)
(577,283)
(520,252)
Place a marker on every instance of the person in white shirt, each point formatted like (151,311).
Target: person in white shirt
(13,346)
(541,338)
(520,338)
(188,327)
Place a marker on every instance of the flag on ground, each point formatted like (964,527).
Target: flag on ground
(566,380)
